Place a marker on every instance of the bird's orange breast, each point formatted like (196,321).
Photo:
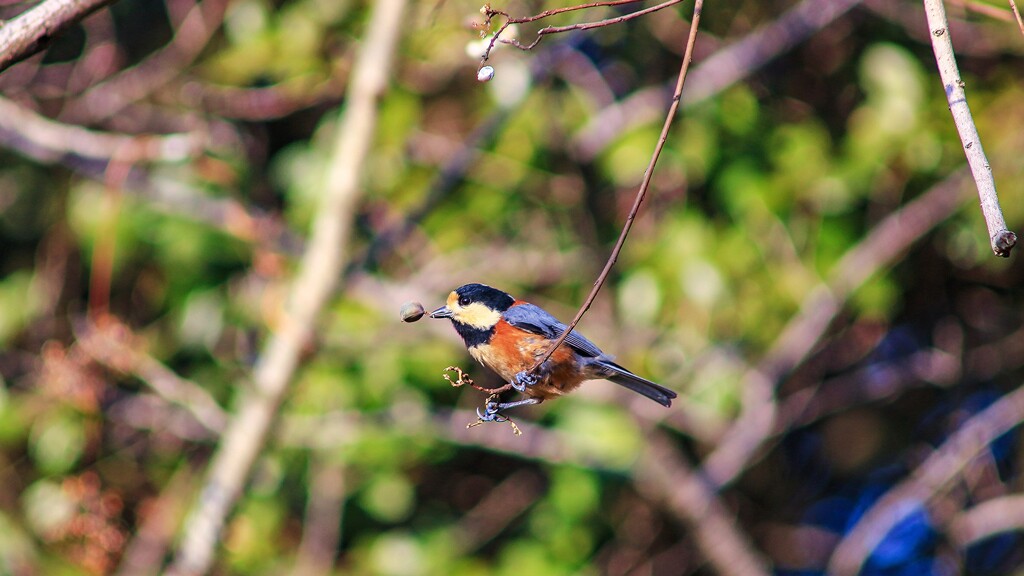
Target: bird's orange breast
(512,350)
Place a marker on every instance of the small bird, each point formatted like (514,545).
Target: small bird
(509,336)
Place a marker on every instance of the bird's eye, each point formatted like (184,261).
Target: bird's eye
(463,300)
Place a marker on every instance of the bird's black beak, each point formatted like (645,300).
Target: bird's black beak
(442,312)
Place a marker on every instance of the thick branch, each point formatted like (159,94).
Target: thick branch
(319,272)
(1002,240)
(32,30)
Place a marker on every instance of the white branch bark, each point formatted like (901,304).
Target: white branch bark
(32,30)
(320,269)
(1001,238)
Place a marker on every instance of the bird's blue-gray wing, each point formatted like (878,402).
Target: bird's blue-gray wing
(538,321)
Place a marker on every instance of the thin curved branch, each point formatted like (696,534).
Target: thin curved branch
(490,13)
(568,28)
(107,98)
(644,184)
(32,30)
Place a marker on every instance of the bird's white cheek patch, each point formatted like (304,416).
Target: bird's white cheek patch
(478,316)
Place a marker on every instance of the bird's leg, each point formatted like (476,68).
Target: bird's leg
(493,408)
(525,378)
(462,379)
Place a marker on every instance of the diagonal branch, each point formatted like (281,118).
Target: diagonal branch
(106,99)
(662,474)
(877,251)
(1002,239)
(319,271)
(644,185)
(929,480)
(32,30)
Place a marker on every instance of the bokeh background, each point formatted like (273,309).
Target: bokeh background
(810,272)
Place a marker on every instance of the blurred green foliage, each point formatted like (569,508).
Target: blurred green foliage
(759,193)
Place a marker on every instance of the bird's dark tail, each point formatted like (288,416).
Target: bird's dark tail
(627,379)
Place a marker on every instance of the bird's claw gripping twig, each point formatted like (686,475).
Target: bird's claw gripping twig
(462,379)
(492,413)
(524,379)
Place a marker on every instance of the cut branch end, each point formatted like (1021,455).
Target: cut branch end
(1003,243)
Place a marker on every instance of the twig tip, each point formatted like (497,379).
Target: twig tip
(1003,243)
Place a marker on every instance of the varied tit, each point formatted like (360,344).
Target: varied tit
(509,336)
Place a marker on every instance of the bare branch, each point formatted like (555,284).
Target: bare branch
(319,273)
(719,71)
(663,475)
(738,60)
(1002,239)
(1016,14)
(995,516)
(579,26)
(322,529)
(644,184)
(110,343)
(929,480)
(878,250)
(32,30)
(49,141)
(111,96)
(509,20)
(145,552)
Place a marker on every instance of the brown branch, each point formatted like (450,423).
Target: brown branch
(46,140)
(719,71)
(890,238)
(662,475)
(644,184)
(322,529)
(33,29)
(318,275)
(107,98)
(263,103)
(113,345)
(1016,14)
(1001,239)
(490,13)
(739,59)
(579,26)
(158,519)
(995,516)
(930,480)
(510,499)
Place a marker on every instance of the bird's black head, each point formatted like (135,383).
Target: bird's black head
(476,305)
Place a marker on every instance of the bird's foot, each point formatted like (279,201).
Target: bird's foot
(462,379)
(524,379)
(492,413)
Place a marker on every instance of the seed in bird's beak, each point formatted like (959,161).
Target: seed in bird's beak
(412,311)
